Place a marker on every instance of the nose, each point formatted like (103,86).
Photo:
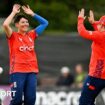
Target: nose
(26,24)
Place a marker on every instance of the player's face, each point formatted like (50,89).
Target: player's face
(23,25)
(99,27)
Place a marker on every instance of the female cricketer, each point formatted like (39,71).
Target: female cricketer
(23,61)
(95,81)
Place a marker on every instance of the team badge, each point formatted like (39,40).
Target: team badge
(20,39)
(30,39)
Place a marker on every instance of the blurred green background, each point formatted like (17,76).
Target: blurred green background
(60,45)
(61,14)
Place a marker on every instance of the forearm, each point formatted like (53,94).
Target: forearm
(9,19)
(81,26)
(6,24)
(40,19)
(43,24)
(82,30)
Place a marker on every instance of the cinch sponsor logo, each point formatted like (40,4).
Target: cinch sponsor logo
(26,48)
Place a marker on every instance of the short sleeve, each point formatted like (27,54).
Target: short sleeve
(12,36)
(33,34)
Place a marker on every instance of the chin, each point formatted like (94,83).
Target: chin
(25,30)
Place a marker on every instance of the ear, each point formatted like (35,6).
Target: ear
(16,25)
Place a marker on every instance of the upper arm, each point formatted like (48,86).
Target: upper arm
(39,30)
(8,30)
(91,35)
(33,34)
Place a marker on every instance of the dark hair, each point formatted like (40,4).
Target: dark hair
(18,17)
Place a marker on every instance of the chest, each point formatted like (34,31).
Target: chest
(23,44)
(23,41)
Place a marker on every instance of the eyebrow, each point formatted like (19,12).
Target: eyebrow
(25,20)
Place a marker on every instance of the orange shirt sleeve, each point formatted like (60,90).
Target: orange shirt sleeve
(91,35)
(12,36)
(33,34)
(95,26)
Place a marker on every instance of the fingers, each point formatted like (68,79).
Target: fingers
(18,11)
(81,13)
(82,10)
(91,13)
(91,17)
(28,6)
(17,6)
(24,7)
(85,17)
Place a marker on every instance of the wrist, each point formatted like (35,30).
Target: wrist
(81,18)
(13,13)
(33,14)
(93,22)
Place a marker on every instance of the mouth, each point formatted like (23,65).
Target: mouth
(25,27)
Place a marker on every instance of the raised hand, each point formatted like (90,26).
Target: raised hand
(16,8)
(91,17)
(82,13)
(27,10)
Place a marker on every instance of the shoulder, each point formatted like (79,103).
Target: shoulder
(13,35)
(32,33)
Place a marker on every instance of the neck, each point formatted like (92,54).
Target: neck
(102,28)
(22,32)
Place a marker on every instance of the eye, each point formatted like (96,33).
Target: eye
(23,22)
(27,22)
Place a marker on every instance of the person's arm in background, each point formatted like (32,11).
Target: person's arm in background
(92,21)
(7,22)
(43,22)
(91,35)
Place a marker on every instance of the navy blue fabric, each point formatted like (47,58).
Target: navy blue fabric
(24,84)
(92,87)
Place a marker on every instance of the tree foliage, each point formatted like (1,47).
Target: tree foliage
(62,14)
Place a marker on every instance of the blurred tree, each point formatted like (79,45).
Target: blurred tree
(62,15)
(4,8)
